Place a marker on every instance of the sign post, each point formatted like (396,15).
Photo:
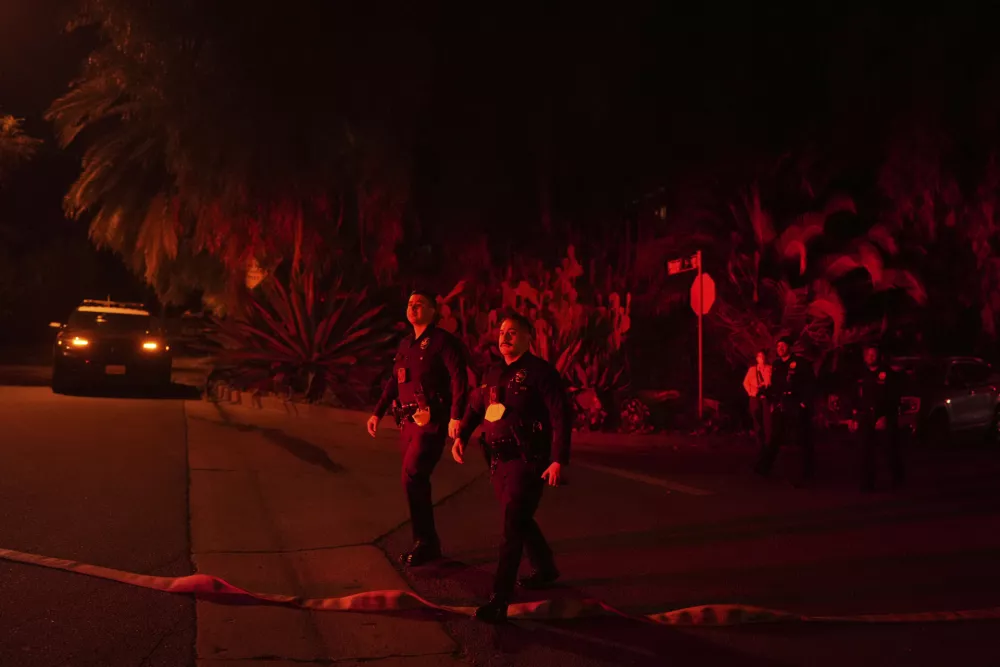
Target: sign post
(701,355)
(702,298)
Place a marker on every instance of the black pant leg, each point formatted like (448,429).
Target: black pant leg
(772,444)
(757,407)
(520,487)
(423,449)
(868,452)
(805,440)
(895,454)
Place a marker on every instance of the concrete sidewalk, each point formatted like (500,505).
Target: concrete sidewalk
(295,507)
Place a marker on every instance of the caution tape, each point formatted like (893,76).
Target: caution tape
(214,588)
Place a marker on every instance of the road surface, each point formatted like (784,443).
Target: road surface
(101,480)
(104,479)
(650,530)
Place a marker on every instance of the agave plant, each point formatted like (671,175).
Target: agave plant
(296,338)
(593,368)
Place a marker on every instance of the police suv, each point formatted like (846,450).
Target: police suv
(109,341)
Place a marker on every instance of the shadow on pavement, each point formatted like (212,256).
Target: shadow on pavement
(299,448)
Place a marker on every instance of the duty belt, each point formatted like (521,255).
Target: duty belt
(505,449)
(780,403)
(403,413)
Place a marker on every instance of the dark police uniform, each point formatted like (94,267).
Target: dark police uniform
(429,372)
(877,396)
(789,397)
(533,432)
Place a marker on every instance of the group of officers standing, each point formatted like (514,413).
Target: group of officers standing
(781,396)
(524,411)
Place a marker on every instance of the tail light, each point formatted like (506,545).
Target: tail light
(909,405)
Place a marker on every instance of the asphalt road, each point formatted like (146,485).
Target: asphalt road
(100,479)
(652,530)
(103,479)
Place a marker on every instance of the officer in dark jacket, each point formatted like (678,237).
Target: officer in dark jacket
(523,406)
(876,417)
(427,393)
(790,395)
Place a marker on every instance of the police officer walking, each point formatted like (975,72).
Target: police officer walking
(427,393)
(523,406)
(790,394)
(875,418)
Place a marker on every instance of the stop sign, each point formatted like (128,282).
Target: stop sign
(707,294)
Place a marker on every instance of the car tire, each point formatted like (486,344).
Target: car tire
(60,381)
(160,380)
(937,429)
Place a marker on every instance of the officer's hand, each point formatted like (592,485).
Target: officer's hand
(453,427)
(372,425)
(457,450)
(553,474)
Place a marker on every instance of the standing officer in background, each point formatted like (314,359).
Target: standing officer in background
(876,417)
(756,383)
(427,392)
(526,435)
(789,396)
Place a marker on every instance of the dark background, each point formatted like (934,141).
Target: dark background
(542,127)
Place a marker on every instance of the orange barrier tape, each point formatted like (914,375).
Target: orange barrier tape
(561,608)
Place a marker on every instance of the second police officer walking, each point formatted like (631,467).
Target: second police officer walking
(523,407)
(789,396)
(875,418)
(427,392)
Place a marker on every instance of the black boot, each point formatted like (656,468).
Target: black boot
(539,579)
(494,611)
(421,554)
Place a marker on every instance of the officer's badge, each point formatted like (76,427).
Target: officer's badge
(424,343)
(495,412)
(422,417)
(520,376)
(881,376)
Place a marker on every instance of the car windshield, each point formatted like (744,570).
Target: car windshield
(110,321)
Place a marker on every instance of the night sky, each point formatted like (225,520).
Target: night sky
(611,104)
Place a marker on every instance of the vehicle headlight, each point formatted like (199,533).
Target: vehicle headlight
(151,346)
(79,342)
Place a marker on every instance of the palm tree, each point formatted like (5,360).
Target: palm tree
(15,145)
(219,142)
